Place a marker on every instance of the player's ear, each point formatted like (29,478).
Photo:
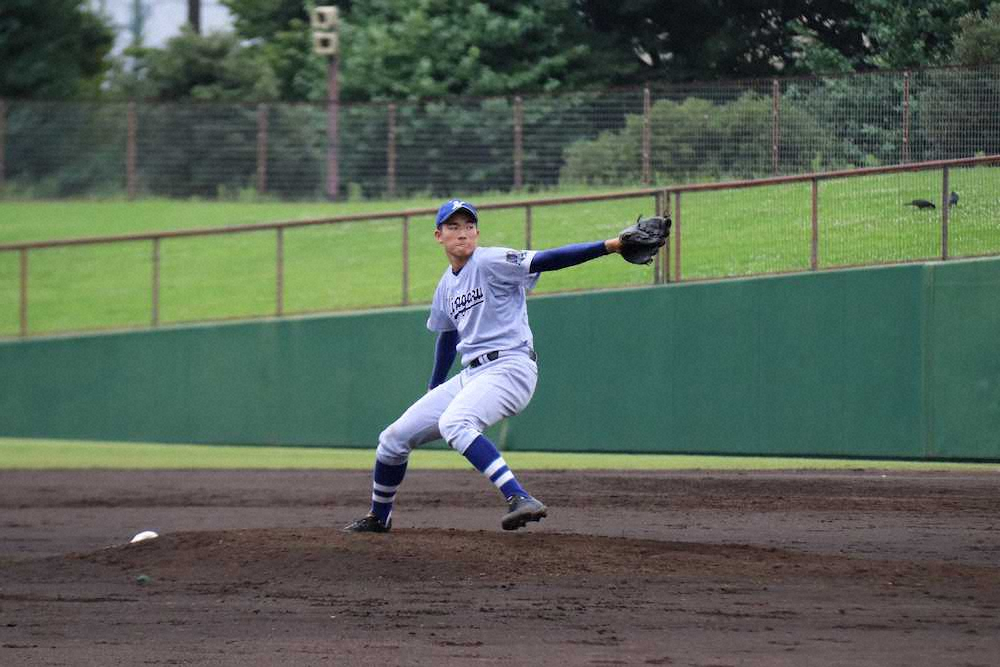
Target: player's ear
(437,234)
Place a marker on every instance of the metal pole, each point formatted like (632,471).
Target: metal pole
(666,246)
(332,136)
(406,259)
(527,227)
(390,173)
(518,143)
(657,260)
(906,117)
(262,149)
(131,151)
(24,291)
(775,124)
(279,273)
(677,237)
(647,168)
(945,196)
(814,245)
(155,305)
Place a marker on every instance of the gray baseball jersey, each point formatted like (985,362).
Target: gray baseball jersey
(485,302)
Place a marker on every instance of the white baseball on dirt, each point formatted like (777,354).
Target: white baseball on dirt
(144,535)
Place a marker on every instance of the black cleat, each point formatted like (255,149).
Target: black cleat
(522,509)
(368,524)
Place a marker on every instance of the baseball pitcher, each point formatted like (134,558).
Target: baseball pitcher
(479,312)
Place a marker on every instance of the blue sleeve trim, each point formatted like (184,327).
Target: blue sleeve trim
(569,255)
(444,357)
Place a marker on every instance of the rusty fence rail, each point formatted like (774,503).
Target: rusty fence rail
(668,266)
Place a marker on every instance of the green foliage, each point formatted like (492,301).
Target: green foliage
(692,39)
(697,139)
(52,49)
(43,156)
(912,34)
(262,19)
(978,39)
(403,49)
(213,67)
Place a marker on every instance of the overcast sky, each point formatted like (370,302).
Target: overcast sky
(164,19)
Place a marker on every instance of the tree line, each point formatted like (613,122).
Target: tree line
(419,49)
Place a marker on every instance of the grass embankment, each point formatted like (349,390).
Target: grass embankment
(359,265)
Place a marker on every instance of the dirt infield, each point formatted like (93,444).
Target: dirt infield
(770,569)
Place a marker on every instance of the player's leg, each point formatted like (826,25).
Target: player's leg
(500,389)
(419,424)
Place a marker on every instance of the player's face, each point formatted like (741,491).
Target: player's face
(459,235)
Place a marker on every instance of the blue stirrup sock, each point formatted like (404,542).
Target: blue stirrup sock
(484,456)
(385,480)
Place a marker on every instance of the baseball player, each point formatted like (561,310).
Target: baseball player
(479,312)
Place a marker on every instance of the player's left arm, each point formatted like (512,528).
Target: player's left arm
(571,255)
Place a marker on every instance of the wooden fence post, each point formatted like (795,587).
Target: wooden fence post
(131,151)
(406,260)
(906,116)
(3,143)
(945,205)
(814,243)
(775,125)
(677,236)
(647,168)
(24,292)
(262,148)
(518,143)
(390,158)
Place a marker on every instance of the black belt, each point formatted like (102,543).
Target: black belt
(493,356)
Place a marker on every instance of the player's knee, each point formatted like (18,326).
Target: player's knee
(458,432)
(392,449)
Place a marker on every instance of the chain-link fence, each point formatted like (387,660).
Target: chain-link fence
(652,135)
(883,215)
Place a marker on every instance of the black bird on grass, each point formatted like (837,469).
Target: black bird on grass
(921,204)
(953,199)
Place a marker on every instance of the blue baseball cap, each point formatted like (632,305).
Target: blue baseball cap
(449,208)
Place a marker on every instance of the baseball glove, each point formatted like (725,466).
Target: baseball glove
(642,240)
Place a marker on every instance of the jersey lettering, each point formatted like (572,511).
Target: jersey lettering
(463,303)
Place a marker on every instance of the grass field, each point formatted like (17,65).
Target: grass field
(66,454)
(358,265)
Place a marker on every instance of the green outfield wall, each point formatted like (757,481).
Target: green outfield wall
(890,362)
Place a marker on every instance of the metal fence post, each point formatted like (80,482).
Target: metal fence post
(24,291)
(677,236)
(775,124)
(814,244)
(647,168)
(906,116)
(406,260)
(666,246)
(657,258)
(279,272)
(262,148)
(131,152)
(390,149)
(527,227)
(3,143)
(945,205)
(155,297)
(518,143)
